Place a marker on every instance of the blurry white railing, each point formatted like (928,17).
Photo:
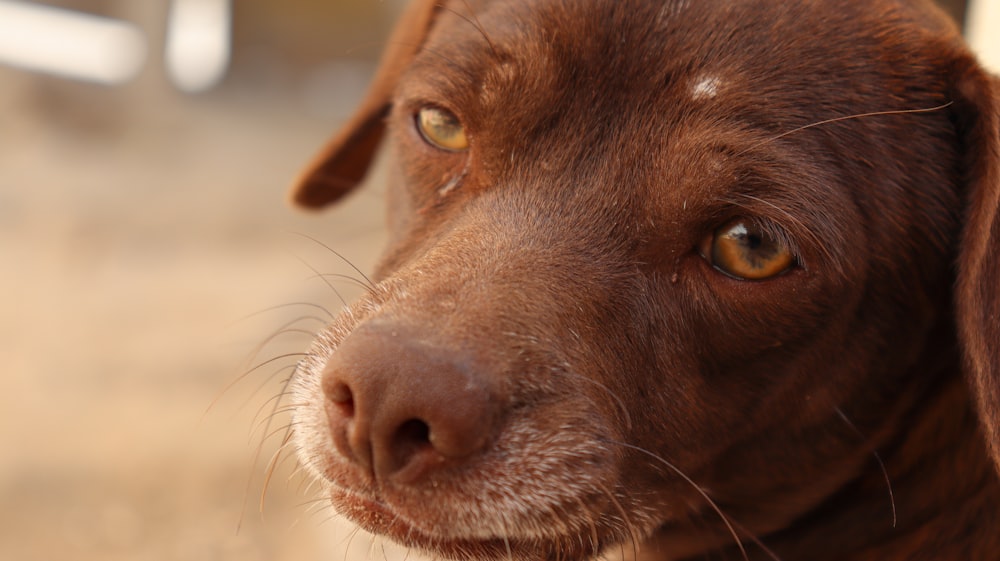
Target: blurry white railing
(81,46)
(198,43)
(86,47)
(70,44)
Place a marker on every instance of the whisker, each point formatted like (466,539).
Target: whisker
(422,47)
(614,396)
(767,551)
(372,542)
(264,438)
(279,395)
(845,118)
(277,307)
(370,284)
(475,23)
(629,527)
(246,491)
(595,537)
(243,376)
(312,503)
(274,411)
(711,503)
(272,466)
(338,276)
(285,409)
(878,459)
(310,483)
(323,278)
(281,330)
(568,371)
(260,422)
(253,355)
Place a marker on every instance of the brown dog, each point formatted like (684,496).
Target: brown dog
(674,279)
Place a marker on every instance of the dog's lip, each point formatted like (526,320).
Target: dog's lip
(362,509)
(380,518)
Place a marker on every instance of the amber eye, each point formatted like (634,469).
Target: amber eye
(442,129)
(744,251)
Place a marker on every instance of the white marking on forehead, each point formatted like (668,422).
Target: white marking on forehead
(673,9)
(706,87)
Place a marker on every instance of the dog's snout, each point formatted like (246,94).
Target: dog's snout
(401,407)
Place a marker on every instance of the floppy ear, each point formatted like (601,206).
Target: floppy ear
(977,295)
(344,161)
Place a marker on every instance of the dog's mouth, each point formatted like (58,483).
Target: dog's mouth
(381,518)
(544,484)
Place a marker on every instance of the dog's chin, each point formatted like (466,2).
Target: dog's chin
(380,518)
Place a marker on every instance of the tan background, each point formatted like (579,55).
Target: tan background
(137,225)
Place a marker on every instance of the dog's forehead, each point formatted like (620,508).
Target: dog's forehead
(577,64)
(597,67)
(650,66)
(501,42)
(708,43)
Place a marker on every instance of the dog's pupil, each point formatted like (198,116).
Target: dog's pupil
(753,241)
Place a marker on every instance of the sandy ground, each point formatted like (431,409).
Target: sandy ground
(135,233)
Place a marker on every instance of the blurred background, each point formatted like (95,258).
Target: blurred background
(145,150)
(143,178)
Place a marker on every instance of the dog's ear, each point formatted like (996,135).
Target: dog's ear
(343,162)
(977,100)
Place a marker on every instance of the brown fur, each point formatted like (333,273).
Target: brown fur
(548,367)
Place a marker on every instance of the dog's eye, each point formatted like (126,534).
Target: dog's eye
(744,251)
(442,129)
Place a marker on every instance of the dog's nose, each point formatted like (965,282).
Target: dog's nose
(401,406)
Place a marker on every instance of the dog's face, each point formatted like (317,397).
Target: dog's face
(649,261)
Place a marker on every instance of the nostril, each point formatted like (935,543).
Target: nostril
(411,440)
(413,434)
(342,397)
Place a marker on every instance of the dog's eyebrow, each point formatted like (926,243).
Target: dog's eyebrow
(472,19)
(452,65)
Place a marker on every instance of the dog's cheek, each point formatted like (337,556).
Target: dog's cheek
(399,210)
(717,358)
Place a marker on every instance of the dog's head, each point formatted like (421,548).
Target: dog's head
(650,260)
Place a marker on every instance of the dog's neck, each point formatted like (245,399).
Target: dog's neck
(925,493)
(943,487)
